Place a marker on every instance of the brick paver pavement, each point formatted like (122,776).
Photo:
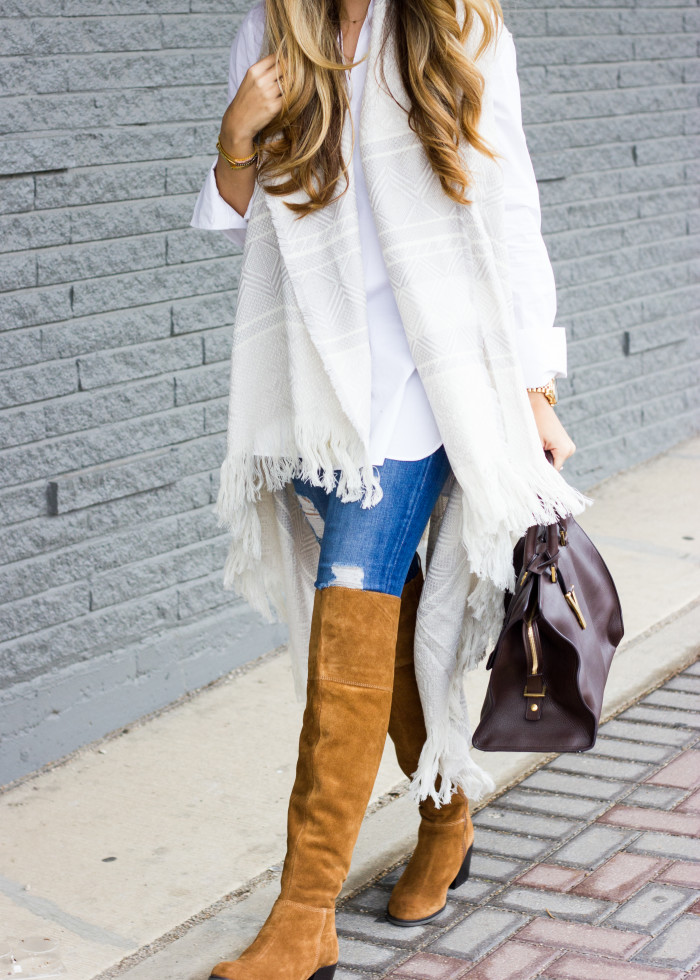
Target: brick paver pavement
(589,869)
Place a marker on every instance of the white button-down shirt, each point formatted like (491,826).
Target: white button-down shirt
(402,424)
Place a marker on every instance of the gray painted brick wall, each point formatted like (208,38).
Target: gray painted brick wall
(115,322)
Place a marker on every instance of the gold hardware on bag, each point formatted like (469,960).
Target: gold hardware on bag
(553,571)
(533,646)
(562,537)
(570,597)
(535,663)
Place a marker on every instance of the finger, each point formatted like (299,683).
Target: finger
(271,75)
(264,63)
(557,457)
(272,86)
(271,68)
(263,71)
(566,450)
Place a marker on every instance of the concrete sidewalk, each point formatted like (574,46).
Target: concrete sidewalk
(155,852)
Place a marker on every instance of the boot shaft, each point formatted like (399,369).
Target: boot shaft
(346,718)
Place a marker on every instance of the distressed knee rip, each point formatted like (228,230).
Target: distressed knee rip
(348,576)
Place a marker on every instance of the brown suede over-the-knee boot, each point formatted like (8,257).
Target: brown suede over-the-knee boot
(442,855)
(351,668)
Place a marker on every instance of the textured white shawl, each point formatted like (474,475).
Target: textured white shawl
(300,381)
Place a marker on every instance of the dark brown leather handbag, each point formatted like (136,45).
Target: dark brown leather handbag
(550,664)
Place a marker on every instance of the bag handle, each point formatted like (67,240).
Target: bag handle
(542,544)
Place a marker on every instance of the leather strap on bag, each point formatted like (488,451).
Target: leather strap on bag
(534,690)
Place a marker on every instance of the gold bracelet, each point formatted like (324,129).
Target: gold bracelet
(236,163)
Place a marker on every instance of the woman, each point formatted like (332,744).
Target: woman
(393,363)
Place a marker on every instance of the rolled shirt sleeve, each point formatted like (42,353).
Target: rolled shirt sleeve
(541,346)
(212,212)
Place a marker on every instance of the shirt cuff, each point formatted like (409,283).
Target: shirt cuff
(213,213)
(542,354)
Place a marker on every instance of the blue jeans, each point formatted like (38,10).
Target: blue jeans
(375,548)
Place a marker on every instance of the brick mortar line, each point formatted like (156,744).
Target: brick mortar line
(616,116)
(198,86)
(126,53)
(111,462)
(661,321)
(177,373)
(218,84)
(502,887)
(586,418)
(203,156)
(205,401)
(170,412)
(145,236)
(622,34)
(75,397)
(580,260)
(111,532)
(79,396)
(120,164)
(88,243)
(692,412)
(522,37)
(655,293)
(575,233)
(554,121)
(95,428)
(10,488)
(615,438)
(129,383)
(624,277)
(62,209)
(102,239)
(660,293)
(12,293)
(573,398)
(108,314)
(86,613)
(187,195)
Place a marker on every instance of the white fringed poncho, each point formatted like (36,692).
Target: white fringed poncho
(300,381)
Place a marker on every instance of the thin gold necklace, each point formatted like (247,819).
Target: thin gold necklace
(346,20)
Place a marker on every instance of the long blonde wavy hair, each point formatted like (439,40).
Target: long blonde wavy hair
(302,145)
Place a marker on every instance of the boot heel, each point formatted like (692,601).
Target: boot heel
(324,973)
(463,872)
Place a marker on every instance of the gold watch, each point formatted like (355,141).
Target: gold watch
(549,391)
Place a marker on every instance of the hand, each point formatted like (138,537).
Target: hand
(255,104)
(552,433)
